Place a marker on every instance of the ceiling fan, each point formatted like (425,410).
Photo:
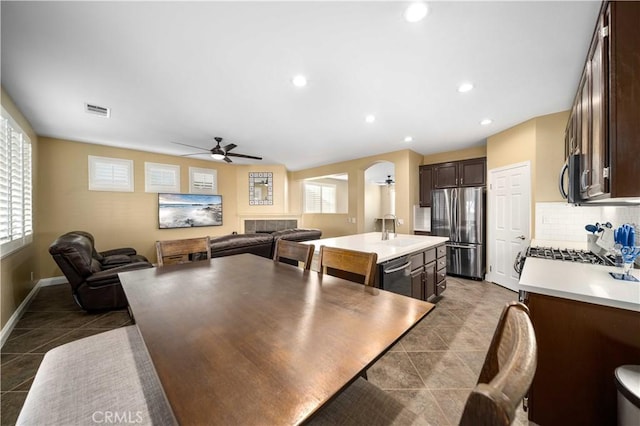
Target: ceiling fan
(218,152)
(387,181)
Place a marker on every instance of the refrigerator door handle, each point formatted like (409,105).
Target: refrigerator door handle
(454,215)
(471,246)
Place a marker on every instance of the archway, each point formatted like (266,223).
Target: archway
(379,194)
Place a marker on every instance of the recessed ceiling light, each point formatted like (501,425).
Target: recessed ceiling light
(486,121)
(370,118)
(408,139)
(299,80)
(416,12)
(465,87)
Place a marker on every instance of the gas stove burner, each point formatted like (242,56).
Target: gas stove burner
(569,255)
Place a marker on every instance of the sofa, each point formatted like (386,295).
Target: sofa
(260,244)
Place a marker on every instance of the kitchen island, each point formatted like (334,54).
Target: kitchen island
(412,265)
(586,325)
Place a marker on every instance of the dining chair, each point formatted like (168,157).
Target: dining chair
(296,252)
(182,251)
(504,380)
(351,265)
(507,371)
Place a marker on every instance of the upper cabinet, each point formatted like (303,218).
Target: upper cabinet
(451,175)
(603,128)
(426,185)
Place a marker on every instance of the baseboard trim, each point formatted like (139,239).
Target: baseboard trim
(45,282)
(9,326)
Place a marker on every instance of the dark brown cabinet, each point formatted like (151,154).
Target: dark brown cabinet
(426,185)
(603,127)
(428,272)
(441,269)
(451,175)
(445,175)
(417,284)
(579,347)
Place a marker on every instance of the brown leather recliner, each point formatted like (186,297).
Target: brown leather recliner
(93,287)
(114,257)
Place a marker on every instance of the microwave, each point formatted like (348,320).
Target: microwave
(569,179)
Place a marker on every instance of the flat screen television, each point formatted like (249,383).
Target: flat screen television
(189,210)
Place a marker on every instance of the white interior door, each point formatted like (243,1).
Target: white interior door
(508,221)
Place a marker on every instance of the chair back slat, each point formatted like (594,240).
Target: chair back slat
(294,251)
(182,251)
(351,261)
(507,372)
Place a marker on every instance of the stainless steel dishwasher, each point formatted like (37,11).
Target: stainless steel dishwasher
(395,275)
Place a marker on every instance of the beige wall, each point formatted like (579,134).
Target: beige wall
(16,268)
(540,141)
(406,164)
(119,219)
(462,154)
(549,155)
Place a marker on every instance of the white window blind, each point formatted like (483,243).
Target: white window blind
(16,201)
(110,174)
(319,198)
(161,177)
(203,181)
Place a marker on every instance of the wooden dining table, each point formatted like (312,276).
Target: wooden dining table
(246,340)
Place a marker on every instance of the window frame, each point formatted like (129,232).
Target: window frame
(193,189)
(25,171)
(171,169)
(322,187)
(95,185)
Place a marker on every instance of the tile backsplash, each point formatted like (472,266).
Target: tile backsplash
(566,222)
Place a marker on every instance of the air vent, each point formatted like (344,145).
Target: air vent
(98,110)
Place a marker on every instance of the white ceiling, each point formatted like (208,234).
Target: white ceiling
(188,71)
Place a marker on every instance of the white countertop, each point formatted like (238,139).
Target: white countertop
(582,282)
(389,249)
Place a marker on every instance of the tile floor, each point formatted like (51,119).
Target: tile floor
(52,319)
(432,369)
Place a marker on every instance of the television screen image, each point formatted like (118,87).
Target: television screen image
(189,210)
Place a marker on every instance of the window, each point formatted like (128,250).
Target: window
(161,177)
(203,181)
(319,198)
(110,174)
(16,186)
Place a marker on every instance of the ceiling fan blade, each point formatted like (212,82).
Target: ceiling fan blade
(192,146)
(195,153)
(231,154)
(227,159)
(229,147)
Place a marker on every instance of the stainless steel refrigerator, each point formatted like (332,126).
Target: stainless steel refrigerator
(459,214)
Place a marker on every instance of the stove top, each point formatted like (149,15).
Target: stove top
(569,255)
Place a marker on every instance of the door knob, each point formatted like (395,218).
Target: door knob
(521,237)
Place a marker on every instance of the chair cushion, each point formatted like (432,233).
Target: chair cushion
(98,379)
(363,403)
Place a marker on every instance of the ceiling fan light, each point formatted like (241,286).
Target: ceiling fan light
(217,156)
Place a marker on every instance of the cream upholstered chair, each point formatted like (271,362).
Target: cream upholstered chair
(505,378)
(352,265)
(296,252)
(182,251)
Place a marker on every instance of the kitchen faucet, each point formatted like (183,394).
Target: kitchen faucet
(385,233)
